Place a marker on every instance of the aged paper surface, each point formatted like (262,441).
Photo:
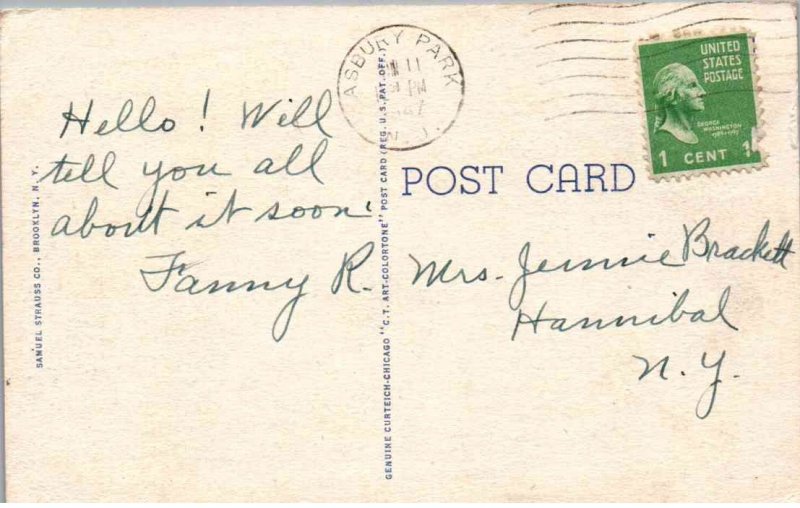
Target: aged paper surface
(219,226)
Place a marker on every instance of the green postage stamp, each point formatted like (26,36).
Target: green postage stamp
(700,102)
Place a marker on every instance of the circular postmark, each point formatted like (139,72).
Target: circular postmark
(424,86)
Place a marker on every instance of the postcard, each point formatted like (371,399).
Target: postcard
(524,252)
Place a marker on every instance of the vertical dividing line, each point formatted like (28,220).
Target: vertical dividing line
(385,298)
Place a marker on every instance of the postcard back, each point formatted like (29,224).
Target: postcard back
(446,253)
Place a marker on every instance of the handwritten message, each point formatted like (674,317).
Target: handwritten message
(177,270)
